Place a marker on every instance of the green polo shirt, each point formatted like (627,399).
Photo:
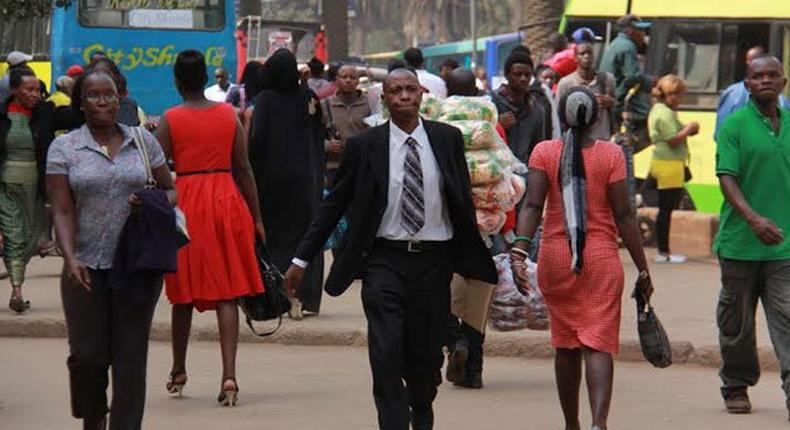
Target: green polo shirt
(749,150)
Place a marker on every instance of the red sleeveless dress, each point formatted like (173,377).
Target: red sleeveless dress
(219,263)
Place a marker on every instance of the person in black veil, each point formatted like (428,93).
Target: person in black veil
(286,152)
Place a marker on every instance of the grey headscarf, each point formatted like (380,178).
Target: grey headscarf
(578,110)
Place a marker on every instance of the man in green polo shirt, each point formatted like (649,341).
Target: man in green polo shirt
(753,165)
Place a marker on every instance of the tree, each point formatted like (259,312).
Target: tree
(542,19)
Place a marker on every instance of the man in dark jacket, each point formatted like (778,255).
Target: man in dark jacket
(411,225)
(632,89)
(521,113)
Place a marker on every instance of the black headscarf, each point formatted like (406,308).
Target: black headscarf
(279,72)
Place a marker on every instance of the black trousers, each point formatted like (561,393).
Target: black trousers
(668,201)
(106,329)
(406,297)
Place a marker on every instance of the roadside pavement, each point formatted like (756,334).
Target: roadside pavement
(685,300)
(328,388)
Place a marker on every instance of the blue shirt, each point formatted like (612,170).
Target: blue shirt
(736,97)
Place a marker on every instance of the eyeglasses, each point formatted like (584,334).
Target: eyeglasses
(95,98)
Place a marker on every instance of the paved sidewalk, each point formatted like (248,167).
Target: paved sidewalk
(685,300)
(328,388)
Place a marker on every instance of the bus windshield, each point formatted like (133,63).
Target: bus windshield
(153,14)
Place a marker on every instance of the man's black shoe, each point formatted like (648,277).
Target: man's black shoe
(472,380)
(737,402)
(456,363)
(422,420)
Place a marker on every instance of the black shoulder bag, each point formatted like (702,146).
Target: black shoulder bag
(273,303)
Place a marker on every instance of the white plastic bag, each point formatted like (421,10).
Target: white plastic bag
(512,310)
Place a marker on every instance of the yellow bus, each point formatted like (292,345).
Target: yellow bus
(704,42)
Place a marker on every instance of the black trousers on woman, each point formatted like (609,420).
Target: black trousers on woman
(668,201)
(107,330)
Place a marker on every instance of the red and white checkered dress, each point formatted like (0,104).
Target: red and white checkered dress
(584,307)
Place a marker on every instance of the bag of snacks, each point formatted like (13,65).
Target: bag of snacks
(477,134)
(490,222)
(461,108)
(496,197)
(485,167)
(430,107)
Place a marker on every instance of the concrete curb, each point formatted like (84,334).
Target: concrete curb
(502,345)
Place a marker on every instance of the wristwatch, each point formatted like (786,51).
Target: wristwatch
(643,275)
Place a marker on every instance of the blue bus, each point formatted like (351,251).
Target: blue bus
(492,52)
(143,37)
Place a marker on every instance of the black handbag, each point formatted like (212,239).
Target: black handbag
(273,303)
(687,176)
(652,337)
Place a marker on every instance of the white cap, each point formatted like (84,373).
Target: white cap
(17,57)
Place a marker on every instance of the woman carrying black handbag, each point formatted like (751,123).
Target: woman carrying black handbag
(582,182)
(273,302)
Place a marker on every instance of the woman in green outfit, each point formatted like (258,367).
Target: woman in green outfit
(669,157)
(26,130)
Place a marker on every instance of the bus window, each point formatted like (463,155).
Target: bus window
(159,14)
(737,39)
(691,51)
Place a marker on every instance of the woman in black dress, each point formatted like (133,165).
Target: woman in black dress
(287,158)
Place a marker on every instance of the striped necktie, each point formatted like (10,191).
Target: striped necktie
(412,202)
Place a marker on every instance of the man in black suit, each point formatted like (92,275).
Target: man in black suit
(412,224)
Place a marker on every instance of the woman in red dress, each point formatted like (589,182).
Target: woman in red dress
(206,142)
(583,183)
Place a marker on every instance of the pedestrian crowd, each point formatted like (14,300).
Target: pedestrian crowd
(295,161)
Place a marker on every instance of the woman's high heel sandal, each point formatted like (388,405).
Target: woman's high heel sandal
(229,396)
(176,383)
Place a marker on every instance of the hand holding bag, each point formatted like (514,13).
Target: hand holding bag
(181,219)
(273,302)
(652,336)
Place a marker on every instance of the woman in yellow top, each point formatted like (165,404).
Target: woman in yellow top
(669,157)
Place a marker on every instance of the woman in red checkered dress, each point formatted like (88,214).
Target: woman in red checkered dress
(583,185)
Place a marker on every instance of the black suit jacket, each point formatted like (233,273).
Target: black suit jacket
(361,187)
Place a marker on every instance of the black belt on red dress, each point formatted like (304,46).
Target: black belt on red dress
(203,172)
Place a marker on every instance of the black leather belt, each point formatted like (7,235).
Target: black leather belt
(414,246)
(203,172)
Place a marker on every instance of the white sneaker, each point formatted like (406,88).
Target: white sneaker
(670,259)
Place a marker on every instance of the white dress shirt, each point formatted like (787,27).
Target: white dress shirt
(433,83)
(438,226)
(437,220)
(215,93)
